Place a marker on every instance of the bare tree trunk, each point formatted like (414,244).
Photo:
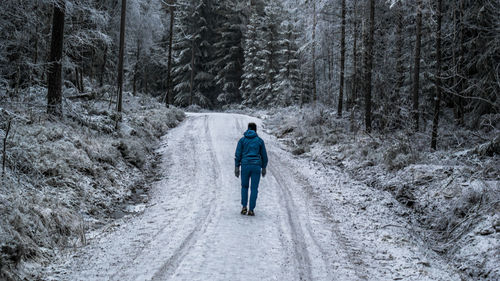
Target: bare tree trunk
(191,82)
(315,97)
(271,66)
(459,80)
(120,56)
(302,92)
(35,59)
(354,91)
(342,61)
(54,93)
(329,58)
(437,99)
(416,71)
(399,50)
(136,68)
(92,69)
(369,67)
(169,97)
(145,80)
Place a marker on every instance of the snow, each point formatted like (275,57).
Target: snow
(313,222)
(448,197)
(66,178)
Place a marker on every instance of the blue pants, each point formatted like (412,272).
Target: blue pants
(249,172)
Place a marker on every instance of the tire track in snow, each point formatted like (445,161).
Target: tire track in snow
(299,246)
(352,253)
(298,235)
(187,141)
(169,268)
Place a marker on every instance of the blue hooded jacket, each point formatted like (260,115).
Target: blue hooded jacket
(251,150)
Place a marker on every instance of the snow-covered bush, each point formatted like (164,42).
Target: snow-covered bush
(398,155)
(66,177)
(451,195)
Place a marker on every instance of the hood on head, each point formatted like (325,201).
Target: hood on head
(250,134)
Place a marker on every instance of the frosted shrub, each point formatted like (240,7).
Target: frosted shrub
(63,177)
(397,156)
(134,152)
(194,108)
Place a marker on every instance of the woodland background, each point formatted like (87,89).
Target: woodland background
(402,95)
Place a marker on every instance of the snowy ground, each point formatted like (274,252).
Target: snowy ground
(311,223)
(450,197)
(65,177)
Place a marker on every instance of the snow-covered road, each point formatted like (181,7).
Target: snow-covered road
(311,223)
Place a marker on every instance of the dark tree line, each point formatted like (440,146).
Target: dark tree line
(75,44)
(399,63)
(419,58)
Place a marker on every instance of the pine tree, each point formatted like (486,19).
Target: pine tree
(191,72)
(227,64)
(416,67)
(121,54)
(268,38)
(251,76)
(368,65)
(288,79)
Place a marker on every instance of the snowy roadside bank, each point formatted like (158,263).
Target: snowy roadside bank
(450,197)
(64,179)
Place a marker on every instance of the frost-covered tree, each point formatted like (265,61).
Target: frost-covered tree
(262,55)
(228,57)
(252,65)
(191,72)
(287,83)
(268,54)
(147,26)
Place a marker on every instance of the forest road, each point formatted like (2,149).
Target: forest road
(192,228)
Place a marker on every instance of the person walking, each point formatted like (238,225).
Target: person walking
(251,155)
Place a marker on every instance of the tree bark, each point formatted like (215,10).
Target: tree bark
(191,82)
(369,67)
(54,93)
(119,105)
(169,97)
(315,97)
(437,99)
(354,91)
(342,61)
(399,50)
(35,59)
(459,80)
(329,62)
(136,68)
(416,71)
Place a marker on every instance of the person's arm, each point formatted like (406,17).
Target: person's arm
(263,155)
(238,154)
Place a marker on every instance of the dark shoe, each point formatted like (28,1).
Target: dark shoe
(251,213)
(244,210)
